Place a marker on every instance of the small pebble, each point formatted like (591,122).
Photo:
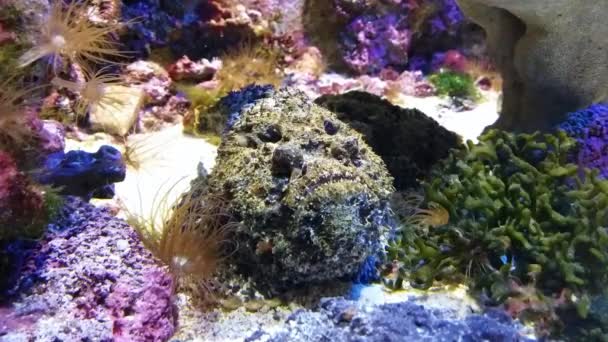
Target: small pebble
(122,245)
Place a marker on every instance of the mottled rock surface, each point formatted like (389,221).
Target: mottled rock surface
(408,141)
(89,279)
(83,174)
(552,55)
(310,194)
(590,128)
(340,320)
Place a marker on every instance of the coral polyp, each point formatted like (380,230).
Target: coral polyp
(93,90)
(68,34)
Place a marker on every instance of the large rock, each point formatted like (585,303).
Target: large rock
(89,279)
(83,174)
(408,141)
(552,54)
(310,194)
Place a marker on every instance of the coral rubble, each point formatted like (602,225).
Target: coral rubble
(309,194)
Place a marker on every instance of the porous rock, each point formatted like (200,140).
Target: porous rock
(89,279)
(310,194)
(83,174)
(551,53)
(342,320)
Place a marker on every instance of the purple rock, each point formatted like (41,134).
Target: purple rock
(90,279)
(590,128)
(374,42)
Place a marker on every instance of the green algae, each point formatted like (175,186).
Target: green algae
(452,83)
(521,216)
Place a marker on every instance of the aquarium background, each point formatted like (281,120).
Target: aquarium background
(303,170)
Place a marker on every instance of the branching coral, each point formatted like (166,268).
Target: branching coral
(519,214)
(69,34)
(189,236)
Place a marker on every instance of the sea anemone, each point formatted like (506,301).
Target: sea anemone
(93,90)
(67,33)
(189,236)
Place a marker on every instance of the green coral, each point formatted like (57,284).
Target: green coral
(519,214)
(452,83)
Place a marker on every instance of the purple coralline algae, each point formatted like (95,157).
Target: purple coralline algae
(372,43)
(164,106)
(195,71)
(149,27)
(84,174)
(342,320)
(89,279)
(590,127)
(446,19)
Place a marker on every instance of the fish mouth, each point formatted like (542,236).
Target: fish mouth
(324,180)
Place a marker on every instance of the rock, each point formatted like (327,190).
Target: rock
(186,70)
(589,127)
(52,136)
(311,200)
(83,174)
(78,284)
(341,320)
(23,211)
(119,117)
(408,141)
(551,53)
(371,43)
(163,106)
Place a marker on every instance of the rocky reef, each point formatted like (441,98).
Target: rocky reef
(339,319)
(310,195)
(25,207)
(89,278)
(544,77)
(408,141)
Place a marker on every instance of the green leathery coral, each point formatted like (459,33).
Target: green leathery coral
(519,212)
(452,83)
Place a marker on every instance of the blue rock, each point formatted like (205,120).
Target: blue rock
(340,320)
(577,123)
(83,174)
